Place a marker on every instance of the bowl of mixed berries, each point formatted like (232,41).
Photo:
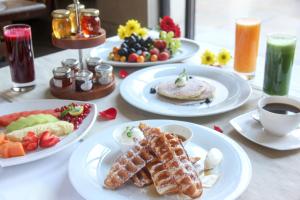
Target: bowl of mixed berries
(137,49)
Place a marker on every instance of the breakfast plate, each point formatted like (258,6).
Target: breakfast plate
(231,91)
(249,127)
(188,49)
(91,161)
(38,105)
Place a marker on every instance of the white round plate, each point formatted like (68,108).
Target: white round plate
(251,129)
(188,49)
(91,161)
(231,90)
(76,135)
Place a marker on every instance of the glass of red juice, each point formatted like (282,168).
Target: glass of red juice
(20,56)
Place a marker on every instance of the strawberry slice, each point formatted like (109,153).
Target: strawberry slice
(48,140)
(30,141)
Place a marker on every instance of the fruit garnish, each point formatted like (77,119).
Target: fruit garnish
(108,114)
(123,73)
(48,140)
(76,110)
(182,79)
(128,131)
(73,113)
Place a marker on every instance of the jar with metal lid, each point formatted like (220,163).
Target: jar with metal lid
(90,22)
(72,16)
(61,24)
(92,62)
(83,81)
(71,63)
(104,74)
(62,77)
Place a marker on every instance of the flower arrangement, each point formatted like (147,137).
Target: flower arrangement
(167,24)
(210,58)
(132,26)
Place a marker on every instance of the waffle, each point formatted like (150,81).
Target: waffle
(142,178)
(128,164)
(172,171)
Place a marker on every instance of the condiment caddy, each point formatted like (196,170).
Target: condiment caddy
(78,27)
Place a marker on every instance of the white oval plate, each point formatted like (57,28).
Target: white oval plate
(231,90)
(90,162)
(188,49)
(87,123)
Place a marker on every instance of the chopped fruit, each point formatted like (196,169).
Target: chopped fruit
(123,59)
(30,141)
(163,56)
(75,120)
(160,44)
(154,51)
(153,58)
(116,57)
(140,59)
(76,111)
(11,149)
(132,57)
(111,56)
(146,55)
(48,140)
(115,50)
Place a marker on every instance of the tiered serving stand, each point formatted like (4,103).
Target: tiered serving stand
(80,43)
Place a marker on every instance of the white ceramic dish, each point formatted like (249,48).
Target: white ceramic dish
(188,49)
(90,162)
(7,108)
(251,129)
(179,130)
(231,90)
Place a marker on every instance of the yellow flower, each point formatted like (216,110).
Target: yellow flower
(132,26)
(142,32)
(208,58)
(224,57)
(122,32)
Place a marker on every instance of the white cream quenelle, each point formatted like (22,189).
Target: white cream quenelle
(131,134)
(213,158)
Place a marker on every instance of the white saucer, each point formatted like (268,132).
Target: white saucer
(253,130)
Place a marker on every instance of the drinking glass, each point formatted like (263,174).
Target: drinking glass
(246,46)
(20,56)
(279,62)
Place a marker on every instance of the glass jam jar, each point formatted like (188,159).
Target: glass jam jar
(62,77)
(83,81)
(61,24)
(71,63)
(104,74)
(92,62)
(72,16)
(90,22)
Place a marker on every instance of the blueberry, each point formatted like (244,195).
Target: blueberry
(152,90)
(139,52)
(137,46)
(123,52)
(144,49)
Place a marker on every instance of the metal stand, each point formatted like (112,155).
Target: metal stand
(76,3)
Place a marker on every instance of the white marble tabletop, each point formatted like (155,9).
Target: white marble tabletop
(276,174)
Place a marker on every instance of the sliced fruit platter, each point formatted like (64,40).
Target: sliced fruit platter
(136,47)
(36,129)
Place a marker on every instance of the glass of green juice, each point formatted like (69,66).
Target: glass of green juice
(279,63)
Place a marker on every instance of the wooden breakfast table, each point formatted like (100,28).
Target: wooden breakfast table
(276,174)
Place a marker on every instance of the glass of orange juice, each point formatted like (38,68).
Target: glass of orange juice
(246,46)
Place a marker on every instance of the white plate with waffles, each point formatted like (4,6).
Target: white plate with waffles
(92,160)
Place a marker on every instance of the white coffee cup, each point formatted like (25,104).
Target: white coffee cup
(278,124)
